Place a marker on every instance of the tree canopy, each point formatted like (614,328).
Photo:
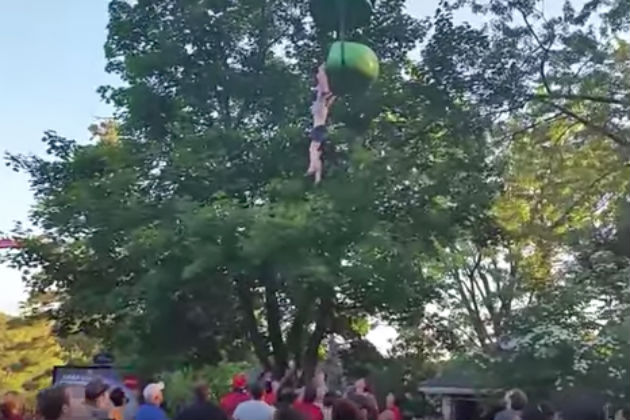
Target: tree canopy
(196,225)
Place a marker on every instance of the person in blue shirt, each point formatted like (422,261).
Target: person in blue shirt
(153,398)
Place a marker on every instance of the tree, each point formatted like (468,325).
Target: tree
(193,238)
(553,90)
(543,302)
(541,67)
(28,352)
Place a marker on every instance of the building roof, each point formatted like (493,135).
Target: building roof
(460,381)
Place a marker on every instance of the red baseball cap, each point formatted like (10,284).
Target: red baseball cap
(131,382)
(239,380)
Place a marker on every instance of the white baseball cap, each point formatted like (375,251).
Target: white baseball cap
(151,390)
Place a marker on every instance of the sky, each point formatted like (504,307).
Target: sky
(52,63)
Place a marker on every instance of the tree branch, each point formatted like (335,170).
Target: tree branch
(599,129)
(592,98)
(580,199)
(551,94)
(475,319)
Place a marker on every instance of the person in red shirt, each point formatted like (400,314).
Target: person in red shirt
(239,394)
(391,408)
(270,386)
(307,406)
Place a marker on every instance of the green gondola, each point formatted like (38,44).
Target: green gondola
(328,14)
(351,67)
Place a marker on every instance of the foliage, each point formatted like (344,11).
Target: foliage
(180,383)
(28,352)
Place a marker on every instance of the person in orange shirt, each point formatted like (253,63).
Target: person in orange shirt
(118,399)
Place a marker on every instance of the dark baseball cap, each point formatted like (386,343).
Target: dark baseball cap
(95,388)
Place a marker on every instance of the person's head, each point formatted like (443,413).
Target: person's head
(288,413)
(256,391)
(344,409)
(266,376)
(239,382)
(11,404)
(329,398)
(360,385)
(366,407)
(548,410)
(117,397)
(286,397)
(201,392)
(96,393)
(532,412)
(132,383)
(153,393)
(390,400)
(516,400)
(53,403)
(310,394)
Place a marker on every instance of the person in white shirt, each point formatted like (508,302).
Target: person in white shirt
(256,408)
(323,101)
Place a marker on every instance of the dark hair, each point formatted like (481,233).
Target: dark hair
(329,398)
(201,392)
(285,396)
(310,393)
(518,399)
(117,397)
(532,412)
(50,402)
(547,409)
(365,403)
(344,409)
(288,413)
(626,412)
(256,390)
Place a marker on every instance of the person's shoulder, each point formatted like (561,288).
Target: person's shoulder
(148,411)
(506,415)
(242,406)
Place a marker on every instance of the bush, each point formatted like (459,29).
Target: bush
(180,383)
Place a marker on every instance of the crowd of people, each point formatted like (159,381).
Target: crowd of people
(265,399)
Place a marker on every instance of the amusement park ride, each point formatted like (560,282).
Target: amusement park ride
(8,243)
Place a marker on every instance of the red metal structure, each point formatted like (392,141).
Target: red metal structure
(8,243)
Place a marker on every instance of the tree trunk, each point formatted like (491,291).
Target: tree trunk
(244,292)
(319,333)
(302,316)
(274,319)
